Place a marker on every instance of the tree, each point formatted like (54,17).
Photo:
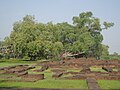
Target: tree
(115,54)
(23,34)
(86,23)
(38,40)
(105,51)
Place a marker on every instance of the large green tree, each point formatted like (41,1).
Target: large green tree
(90,32)
(37,40)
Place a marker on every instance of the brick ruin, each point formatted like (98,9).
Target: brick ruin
(85,65)
(61,70)
(21,72)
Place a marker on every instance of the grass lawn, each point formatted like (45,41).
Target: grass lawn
(50,82)
(47,84)
(11,62)
(109,84)
(97,69)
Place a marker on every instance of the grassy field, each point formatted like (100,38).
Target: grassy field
(50,82)
(47,84)
(109,84)
(12,62)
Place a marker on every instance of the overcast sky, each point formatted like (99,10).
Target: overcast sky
(62,10)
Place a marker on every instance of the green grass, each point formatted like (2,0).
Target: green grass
(109,84)
(50,82)
(97,69)
(47,84)
(73,70)
(47,73)
(100,69)
(67,75)
(11,62)
(115,70)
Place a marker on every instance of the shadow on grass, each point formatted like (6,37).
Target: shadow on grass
(2,81)
(17,88)
(2,61)
(28,60)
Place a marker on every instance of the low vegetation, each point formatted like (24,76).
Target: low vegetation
(111,57)
(109,84)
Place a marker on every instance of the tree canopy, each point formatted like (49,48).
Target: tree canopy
(38,40)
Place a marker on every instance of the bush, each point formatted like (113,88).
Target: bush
(26,58)
(1,56)
(111,57)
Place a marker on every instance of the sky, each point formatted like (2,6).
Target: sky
(62,11)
